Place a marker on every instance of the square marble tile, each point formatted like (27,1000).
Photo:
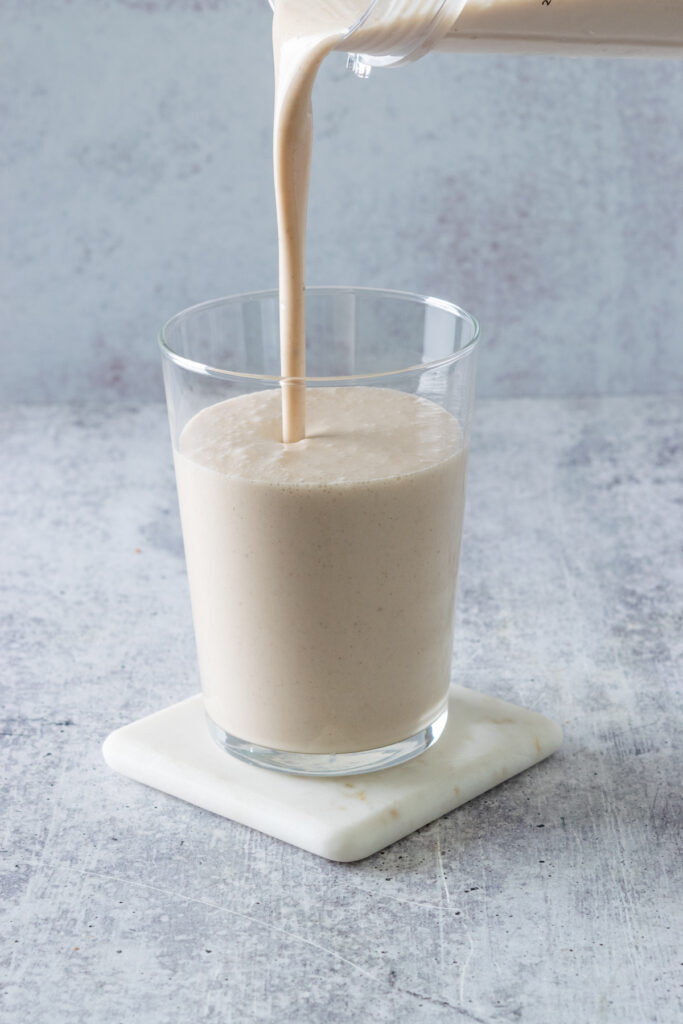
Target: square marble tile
(485,742)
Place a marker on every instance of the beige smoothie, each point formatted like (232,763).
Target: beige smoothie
(322,525)
(322,573)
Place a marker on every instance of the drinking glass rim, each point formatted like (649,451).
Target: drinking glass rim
(205,370)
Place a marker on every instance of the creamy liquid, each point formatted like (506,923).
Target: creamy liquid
(303,34)
(322,573)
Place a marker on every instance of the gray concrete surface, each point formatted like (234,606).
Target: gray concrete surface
(552,898)
(542,194)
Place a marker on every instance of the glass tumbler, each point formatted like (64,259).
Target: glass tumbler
(322,573)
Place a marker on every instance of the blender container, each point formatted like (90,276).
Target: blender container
(394,32)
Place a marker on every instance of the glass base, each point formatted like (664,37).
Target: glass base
(355,763)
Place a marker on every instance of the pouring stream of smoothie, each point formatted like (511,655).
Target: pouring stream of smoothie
(303,34)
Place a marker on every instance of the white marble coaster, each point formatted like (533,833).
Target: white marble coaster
(485,742)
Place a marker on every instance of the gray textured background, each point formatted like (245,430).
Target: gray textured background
(544,195)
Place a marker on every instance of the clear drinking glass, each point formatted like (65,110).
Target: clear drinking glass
(323,600)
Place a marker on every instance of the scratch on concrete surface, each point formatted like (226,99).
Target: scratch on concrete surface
(34,877)
(625,902)
(439,861)
(422,904)
(433,1001)
(463,969)
(236,913)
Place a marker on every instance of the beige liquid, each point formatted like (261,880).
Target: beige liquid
(303,34)
(322,573)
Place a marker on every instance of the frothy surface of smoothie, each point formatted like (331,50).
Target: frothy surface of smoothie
(322,573)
